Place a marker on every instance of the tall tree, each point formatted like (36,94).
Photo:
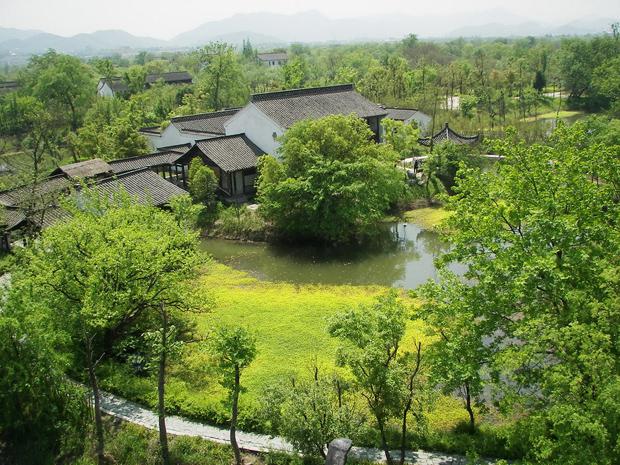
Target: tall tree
(98,272)
(334,182)
(63,83)
(234,349)
(540,239)
(386,374)
(220,79)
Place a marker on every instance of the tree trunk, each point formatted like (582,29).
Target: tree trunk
(233,420)
(384,444)
(470,411)
(95,388)
(161,383)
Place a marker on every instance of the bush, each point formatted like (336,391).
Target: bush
(238,222)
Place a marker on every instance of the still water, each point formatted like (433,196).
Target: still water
(402,256)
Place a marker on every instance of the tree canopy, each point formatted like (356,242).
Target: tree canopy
(334,182)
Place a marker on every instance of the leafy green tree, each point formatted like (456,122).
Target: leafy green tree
(539,81)
(99,272)
(203,185)
(295,73)
(310,413)
(135,78)
(220,80)
(234,348)
(387,375)
(63,83)
(334,182)
(540,241)
(43,414)
(445,161)
(606,82)
(402,137)
(458,356)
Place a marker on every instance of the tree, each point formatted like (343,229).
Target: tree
(310,413)
(334,182)
(163,344)
(203,184)
(539,81)
(540,242)
(99,272)
(402,137)
(606,82)
(295,73)
(458,355)
(220,79)
(234,349)
(445,161)
(63,83)
(135,78)
(43,414)
(386,375)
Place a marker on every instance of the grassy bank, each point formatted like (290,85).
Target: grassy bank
(289,322)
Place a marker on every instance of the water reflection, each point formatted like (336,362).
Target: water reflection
(400,255)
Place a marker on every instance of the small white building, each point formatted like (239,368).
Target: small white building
(267,116)
(110,87)
(273,59)
(410,115)
(188,129)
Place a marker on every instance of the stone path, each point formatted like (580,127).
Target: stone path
(134,413)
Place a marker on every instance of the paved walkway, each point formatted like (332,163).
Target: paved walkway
(134,413)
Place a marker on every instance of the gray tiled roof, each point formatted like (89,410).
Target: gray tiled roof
(144,185)
(230,153)
(168,157)
(50,186)
(169,78)
(400,114)
(117,84)
(84,169)
(290,106)
(211,123)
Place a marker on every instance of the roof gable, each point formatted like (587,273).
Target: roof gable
(204,123)
(229,153)
(84,169)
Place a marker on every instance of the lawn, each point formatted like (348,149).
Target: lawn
(289,322)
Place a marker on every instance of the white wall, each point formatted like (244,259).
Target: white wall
(257,126)
(422,119)
(172,136)
(103,89)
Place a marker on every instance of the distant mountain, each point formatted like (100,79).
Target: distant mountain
(80,43)
(273,29)
(312,26)
(9,33)
(531,28)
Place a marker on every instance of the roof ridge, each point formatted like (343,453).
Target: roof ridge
(223,136)
(148,155)
(199,115)
(299,92)
(123,174)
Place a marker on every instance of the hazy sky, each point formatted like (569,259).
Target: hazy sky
(166,18)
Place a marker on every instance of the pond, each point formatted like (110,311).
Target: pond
(402,256)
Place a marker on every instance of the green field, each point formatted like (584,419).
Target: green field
(289,322)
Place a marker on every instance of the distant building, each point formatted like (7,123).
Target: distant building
(189,129)
(116,86)
(111,87)
(410,115)
(8,86)
(273,59)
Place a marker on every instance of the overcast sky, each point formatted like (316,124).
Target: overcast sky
(166,18)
